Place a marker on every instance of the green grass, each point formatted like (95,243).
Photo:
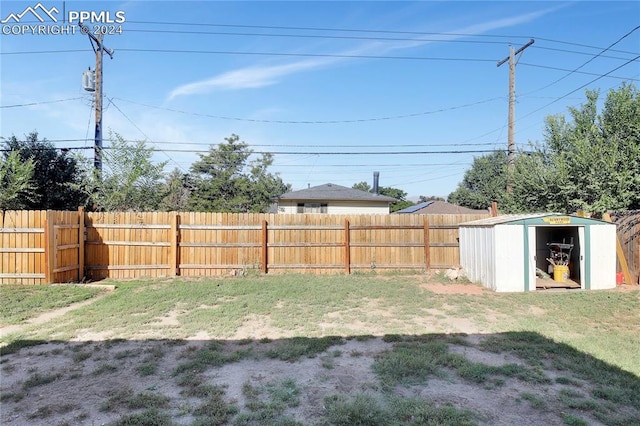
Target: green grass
(128,399)
(598,323)
(369,410)
(589,339)
(20,303)
(267,403)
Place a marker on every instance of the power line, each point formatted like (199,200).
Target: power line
(330,37)
(229,52)
(40,103)
(572,71)
(155,142)
(581,87)
(196,151)
(592,59)
(362,120)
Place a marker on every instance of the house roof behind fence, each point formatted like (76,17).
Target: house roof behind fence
(333,192)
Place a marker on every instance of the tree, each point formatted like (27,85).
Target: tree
(129,180)
(387,191)
(483,183)
(177,190)
(225,180)
(16,185)
(56,174)
(590,163)
(430,198)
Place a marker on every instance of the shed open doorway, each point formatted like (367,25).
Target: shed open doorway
(563,245)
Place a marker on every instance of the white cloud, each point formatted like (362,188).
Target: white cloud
(261,76)
(246,78)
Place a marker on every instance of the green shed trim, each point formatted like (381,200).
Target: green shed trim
(526,258)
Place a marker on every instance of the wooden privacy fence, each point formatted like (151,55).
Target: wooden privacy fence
(628,230)
(47,246)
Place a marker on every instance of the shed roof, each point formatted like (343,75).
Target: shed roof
(544,219)
(333,192)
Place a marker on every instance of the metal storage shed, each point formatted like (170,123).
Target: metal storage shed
(509,253)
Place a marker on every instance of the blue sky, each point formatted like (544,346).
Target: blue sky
(336,89)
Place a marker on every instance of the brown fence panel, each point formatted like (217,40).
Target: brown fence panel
(628,231)
(22,247)
(219,243)
(64,228)
(124,245)
(40,247)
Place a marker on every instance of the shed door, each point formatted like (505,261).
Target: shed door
(584,283)
(530,283)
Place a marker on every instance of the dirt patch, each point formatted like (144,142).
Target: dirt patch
(78,380)
(455,288)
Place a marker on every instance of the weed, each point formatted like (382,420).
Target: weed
(147,369)
(577,401)
(423,412)
(356,354)
(534,400)
(104,368)
(268,402)
(126,398)
(37,379)
(567,381)
(214,411)
(12,396)
(49,410)
(151,417)
(297,347)
(124,354)
(411,363)
(571,420)
(361,409)
(81,356)
(210,356)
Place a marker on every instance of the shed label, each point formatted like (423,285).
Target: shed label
(559,220)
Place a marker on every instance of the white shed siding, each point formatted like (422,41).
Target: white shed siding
(509,258)
(477,254)
(603,257)
(338,207)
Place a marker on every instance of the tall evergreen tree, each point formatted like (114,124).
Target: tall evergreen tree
(56,174)
(226,180)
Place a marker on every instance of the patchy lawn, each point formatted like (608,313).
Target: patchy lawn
(341,350)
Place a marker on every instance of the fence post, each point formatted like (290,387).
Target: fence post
(81,235)
(49,247)
(347,247)
(265,248)
(174,251)
(494,209)
(427,243)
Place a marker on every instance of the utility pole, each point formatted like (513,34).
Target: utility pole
(511,144)
(99,49)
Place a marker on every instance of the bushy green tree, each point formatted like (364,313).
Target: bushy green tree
(16,185)
(56,174)
(483,183)
(387,191)
(129,181)
(226,180)
(177,189)
(590,162)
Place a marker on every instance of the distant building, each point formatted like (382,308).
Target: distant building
(333,199)
(438,207)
